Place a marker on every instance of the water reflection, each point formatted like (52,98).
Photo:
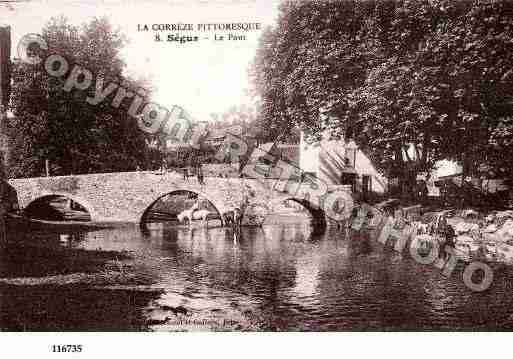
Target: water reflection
(279,277)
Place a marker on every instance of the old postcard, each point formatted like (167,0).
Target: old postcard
(255,165)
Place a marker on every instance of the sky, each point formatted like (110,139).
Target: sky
(204,77)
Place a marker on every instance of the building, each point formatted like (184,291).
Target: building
(336,162)
(341,162)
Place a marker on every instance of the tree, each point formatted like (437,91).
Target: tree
(430,78)
(453,84)
(305,66)
(59,126)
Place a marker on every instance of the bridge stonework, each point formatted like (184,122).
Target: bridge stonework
(125,196)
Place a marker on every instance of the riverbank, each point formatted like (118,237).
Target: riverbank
(17,223)
(475,235)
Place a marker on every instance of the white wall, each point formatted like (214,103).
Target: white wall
(364,166)
(309,156)
(330,170)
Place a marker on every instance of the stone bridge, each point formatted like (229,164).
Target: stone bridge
(126,196)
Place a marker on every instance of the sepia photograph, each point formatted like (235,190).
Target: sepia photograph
(256,166)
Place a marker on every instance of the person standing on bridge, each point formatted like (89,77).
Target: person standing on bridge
(200,174)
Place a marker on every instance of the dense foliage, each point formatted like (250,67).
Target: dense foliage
(59,126)
(431,76)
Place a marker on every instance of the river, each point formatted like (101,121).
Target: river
(279,278)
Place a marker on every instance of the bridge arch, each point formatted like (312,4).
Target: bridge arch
(218,207)
(318,214)
(47,195)
(319,219)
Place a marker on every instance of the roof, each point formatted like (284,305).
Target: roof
(215,133)
(442,178)
(349,170)
(220,133)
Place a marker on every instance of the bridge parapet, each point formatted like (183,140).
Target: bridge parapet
(125,196)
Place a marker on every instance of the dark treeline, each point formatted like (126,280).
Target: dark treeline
(61,127)
(434,76)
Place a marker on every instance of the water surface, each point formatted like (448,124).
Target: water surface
(278,277)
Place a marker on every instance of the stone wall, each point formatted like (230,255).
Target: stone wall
(221,170)
(125,196)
